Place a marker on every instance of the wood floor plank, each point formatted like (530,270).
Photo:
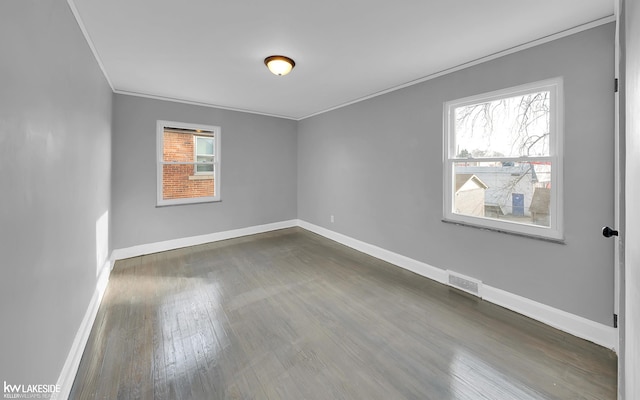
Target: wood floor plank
(291,315)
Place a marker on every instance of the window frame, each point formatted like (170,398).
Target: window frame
(199,130)
(555,230)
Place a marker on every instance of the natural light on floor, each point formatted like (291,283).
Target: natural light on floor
(473,378)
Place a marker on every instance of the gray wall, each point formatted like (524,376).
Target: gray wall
(377,167)
(631,345)
(258,172)
(55,162)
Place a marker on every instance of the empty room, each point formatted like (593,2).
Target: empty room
(320,200)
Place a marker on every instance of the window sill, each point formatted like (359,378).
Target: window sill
(200,177)
(490,228)
(184,202)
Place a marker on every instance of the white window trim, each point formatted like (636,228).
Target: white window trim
(160,127)
(555,230)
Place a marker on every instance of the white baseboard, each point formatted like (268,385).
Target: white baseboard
(71,364)
(150,248)
(581,327)
(595,332)
(412,265)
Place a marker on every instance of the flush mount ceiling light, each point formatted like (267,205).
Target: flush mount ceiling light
(279,65)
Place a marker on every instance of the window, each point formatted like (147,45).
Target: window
(204,154)
(188,163)
(503,160)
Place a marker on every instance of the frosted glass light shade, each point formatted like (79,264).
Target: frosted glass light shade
(279,65)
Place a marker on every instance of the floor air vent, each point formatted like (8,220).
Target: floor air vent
(465,283)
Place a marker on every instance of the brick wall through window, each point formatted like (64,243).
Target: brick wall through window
(179,181)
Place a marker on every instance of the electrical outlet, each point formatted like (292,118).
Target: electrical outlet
(333,219)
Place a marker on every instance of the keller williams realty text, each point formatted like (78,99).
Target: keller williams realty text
(30,388)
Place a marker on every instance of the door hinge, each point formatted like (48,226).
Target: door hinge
(615,85)
(615,320)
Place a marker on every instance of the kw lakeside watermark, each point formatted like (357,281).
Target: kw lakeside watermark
(39,391)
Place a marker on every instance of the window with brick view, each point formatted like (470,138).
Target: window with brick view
(188,163)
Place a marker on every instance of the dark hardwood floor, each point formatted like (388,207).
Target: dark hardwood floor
(291,315)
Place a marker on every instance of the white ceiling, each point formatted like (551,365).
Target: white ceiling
(212,51)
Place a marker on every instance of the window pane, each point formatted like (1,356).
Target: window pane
(510,127)
(178,145)
(178,182)
(512,191)
(187,173)
(204,168)
(201,158)
(204,145)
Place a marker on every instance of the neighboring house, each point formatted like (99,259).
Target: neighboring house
(510,188)
(470,195)
(539,207)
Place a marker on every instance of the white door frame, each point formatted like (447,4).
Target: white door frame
(618,175)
